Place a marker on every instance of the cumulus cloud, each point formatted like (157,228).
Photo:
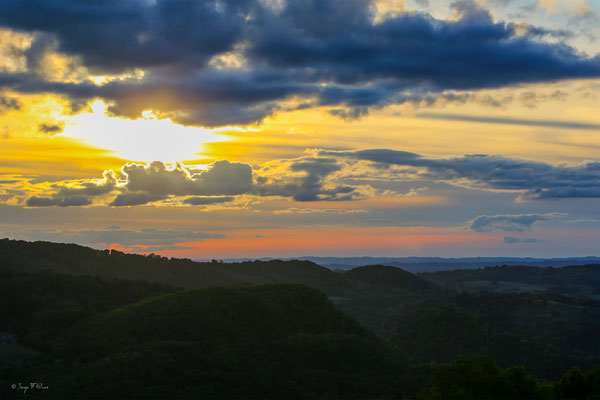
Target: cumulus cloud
(155,181)
(143,184)
(315,182)
(76,193)
(335,53)
(536,180)
(222,178)
(106,236)
(509,223)
(303,179)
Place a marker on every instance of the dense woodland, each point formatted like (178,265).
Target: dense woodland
(95,324)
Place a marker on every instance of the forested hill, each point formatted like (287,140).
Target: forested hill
(266,341)
(99,324)
(22,256)
(577,281)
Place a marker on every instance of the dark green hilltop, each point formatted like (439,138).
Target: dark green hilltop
(91,324)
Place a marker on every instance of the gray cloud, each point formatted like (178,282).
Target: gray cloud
(50,129)
(9,104)
(509,223)
(134,199)
(315,185)
(143,184)
(220,182)
(327,175)
(203,200)
(80,194)
(105,185)
(514,240)
(532,30)
(567,192)
(536,180)
(65,201)
(222,178)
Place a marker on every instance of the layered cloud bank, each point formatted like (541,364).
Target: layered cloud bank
(221,62)
(322,199)
(321,175)
(536,180)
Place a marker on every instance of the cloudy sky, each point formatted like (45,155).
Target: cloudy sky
(250,128)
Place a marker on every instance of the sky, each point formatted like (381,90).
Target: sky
(281,128)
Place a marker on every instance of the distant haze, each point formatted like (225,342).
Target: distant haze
(428,264)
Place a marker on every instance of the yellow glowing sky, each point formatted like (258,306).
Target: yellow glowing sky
(145,139)
(286,134)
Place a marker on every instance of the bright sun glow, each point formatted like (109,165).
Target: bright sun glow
(144,139)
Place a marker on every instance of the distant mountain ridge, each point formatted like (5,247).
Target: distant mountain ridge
(432,264)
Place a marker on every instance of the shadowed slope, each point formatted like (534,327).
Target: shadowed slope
(263,341)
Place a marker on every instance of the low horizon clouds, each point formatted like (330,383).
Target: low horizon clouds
(322,175)
(515,240)
(143,239)
(510,223)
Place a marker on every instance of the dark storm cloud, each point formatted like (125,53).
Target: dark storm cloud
(114,35)
(509,223)
(329,51)
(415,50)
(209,98)
(536,180)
